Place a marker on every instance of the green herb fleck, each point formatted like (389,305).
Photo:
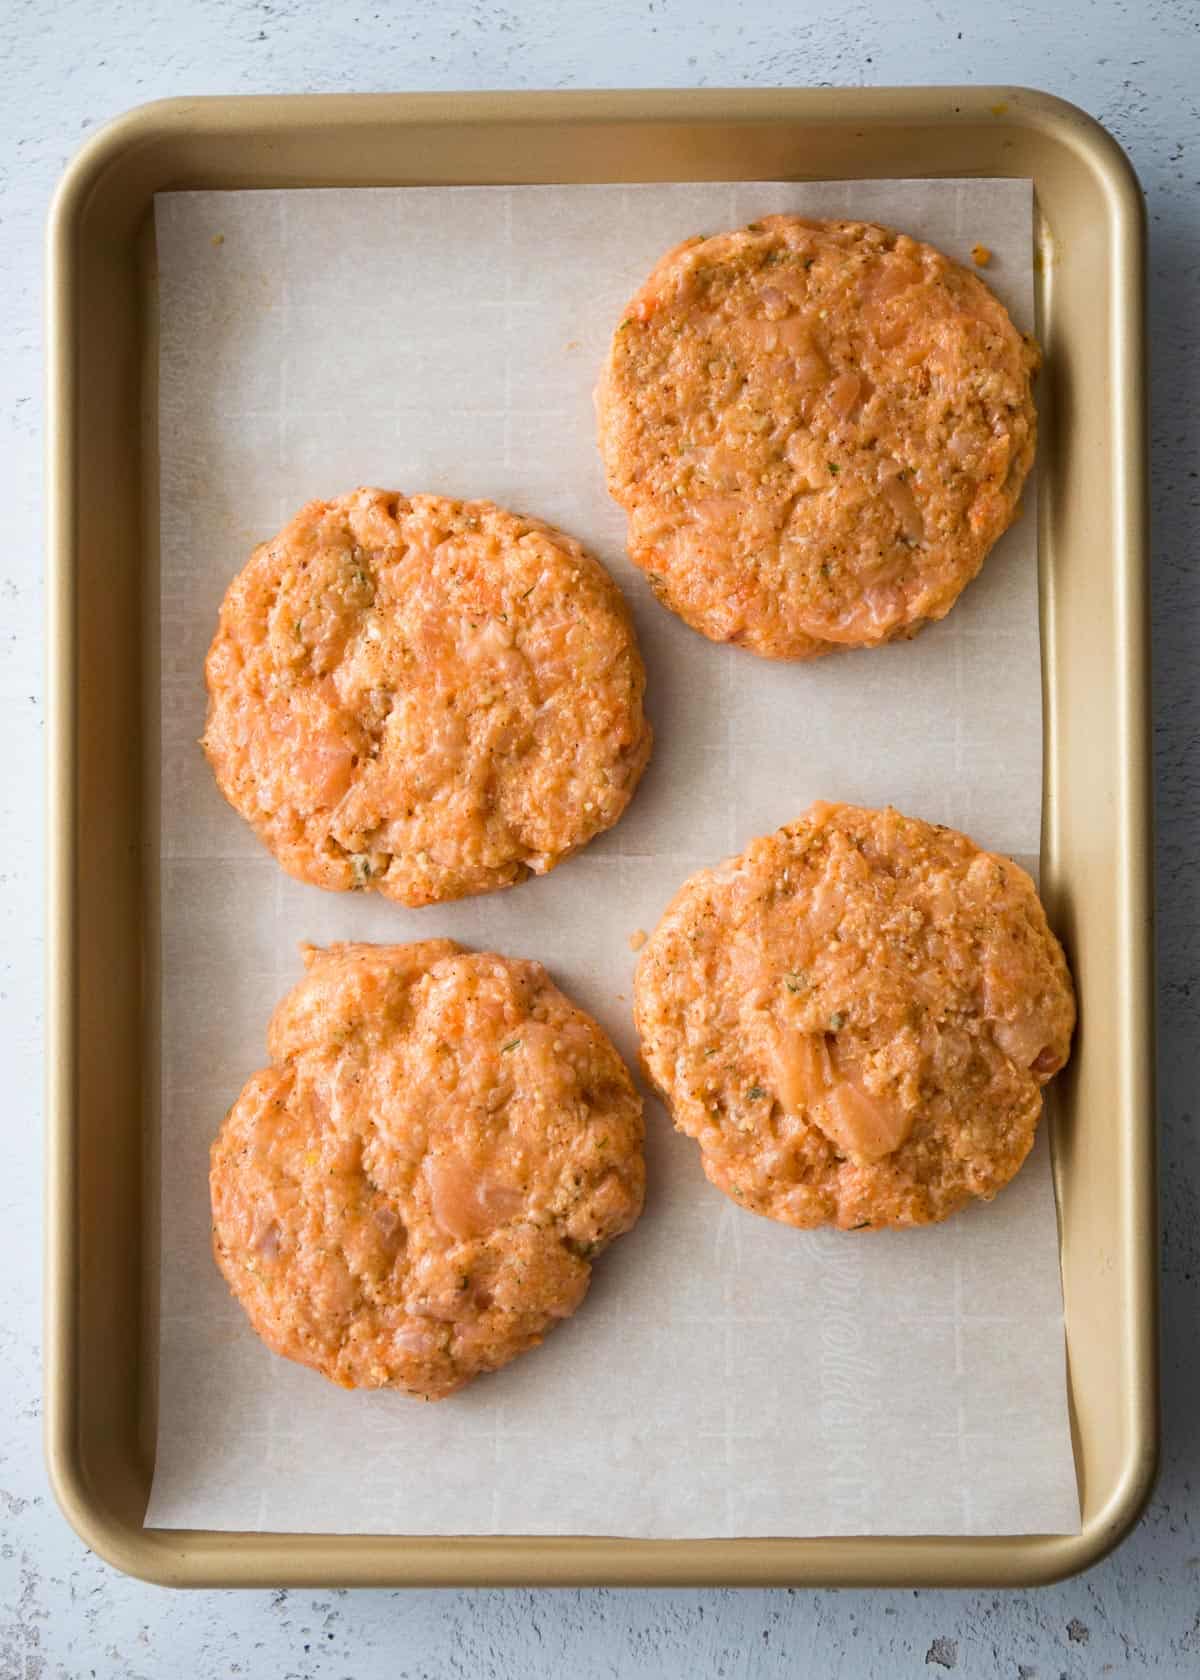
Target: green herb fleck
(754,227)
(863,1225)
(711,1051)
(795,982)
(363,869)
(513,1044)
(837,1021)
(627,322)
(833,467)
(755,1093)
(529,592)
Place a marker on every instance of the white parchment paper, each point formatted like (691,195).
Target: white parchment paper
(726,1375)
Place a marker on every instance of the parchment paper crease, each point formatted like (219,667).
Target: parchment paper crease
(726,1376)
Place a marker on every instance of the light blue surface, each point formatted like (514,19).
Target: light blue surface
(64,68)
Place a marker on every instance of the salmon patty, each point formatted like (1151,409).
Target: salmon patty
(415,1189)
(855,1019)
(817,430)
(425,698)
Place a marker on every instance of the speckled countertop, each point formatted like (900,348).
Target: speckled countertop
(67,66)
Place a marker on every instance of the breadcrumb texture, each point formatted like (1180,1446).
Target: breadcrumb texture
(855,1019)
(413,1192)
(817,429)
(425,698)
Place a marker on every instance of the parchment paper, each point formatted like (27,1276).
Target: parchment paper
(726,1375)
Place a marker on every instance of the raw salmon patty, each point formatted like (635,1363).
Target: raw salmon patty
(817,430)
(415,1189)
(855,1019)
(424,697)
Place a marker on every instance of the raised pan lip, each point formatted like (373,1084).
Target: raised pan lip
(164,1559)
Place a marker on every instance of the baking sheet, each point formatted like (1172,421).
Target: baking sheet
(726,1376)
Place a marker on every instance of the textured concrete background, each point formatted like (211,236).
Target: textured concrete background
(67,66)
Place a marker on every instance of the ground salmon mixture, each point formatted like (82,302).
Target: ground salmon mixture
(855,1019)
(424,697)
(817,429)
(415,1189)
